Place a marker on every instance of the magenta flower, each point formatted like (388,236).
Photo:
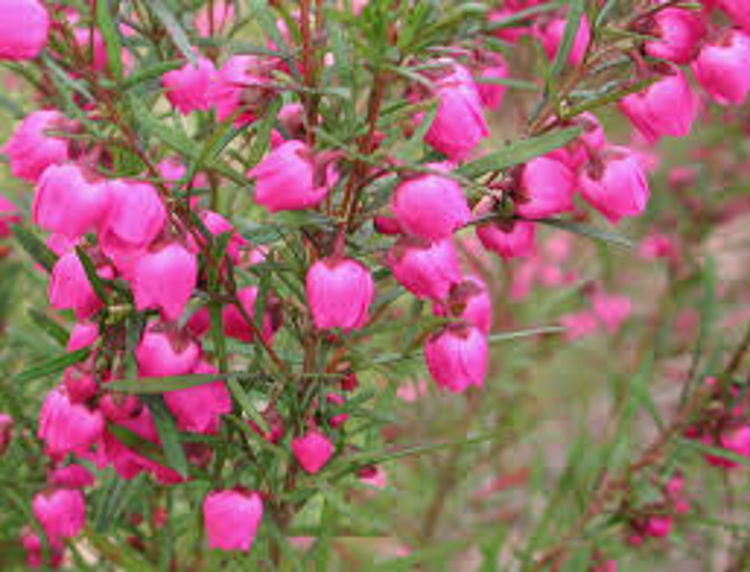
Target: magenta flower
(612,310)
(516,241)
(457,357)
(213,17)
(31,150)
(312,450)
(459,124)
(198,409)
(188,88)
(62,512)
(83,335)
(339,292)
(235,324)
(616,186)
(6,432)
(285,179)
(470,300)
(80,384)
(24,26)
(65,202)
(547,186)
(680,34)
(491,94)
(137,214)
(232,87)
(72,477)
(738,11)
(667,107)
(232,519)
(66,427)
(430,206)
(426,270)
(9,215)
(164,351)
(33,546)
(70,288)
(165,279)
(723,68)
(552,34)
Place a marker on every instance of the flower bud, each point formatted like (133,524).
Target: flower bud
(232,518)
(457,357)
(339,292)
(312,450)
(24,25)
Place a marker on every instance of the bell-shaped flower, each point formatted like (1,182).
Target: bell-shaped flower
(70,288)
(312,450)
(235,322)
(470,300)
(234,86)
(232,518)
(61,512)
(165,278)
(547,187)
(457,357)
(198,408)
(72,477)
(286,179)
(188,89)
(339,292)
(24,27)
(552,34)
(492,92)
(723,68)
(66,427)
(65,202)
(165,351)
(680,34)
(31,150)
(738,11)
(427,270)
(9,215)
(612,310)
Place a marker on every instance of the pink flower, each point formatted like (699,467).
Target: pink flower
(92,46)
(491,93)
(335,401)
(312,450)
(218,225)
(62,512)
(232,519)
(658,526)
(137,214)
(66,427)
(285,179)
(667,107)
(198,409)
(6,432)
(547,186)
(579,324)
(9,216)
(430,206)
(470,300)
(165,351)
(457,357)
(616,186)
(373,476)
(411,391)
(67,203)
(83,335)
(680,33)
(612,310)
(72,477)
(459,124)
(188,88)
(33,546)
(235,325)
(24,25)
(552,34)
(723,68)
(517,241)
(31,150)
(165,279)
(80,384)
(70,288)
(738,11)
(426,270)
(233,86)
(339,292)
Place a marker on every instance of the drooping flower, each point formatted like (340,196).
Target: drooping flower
(552,34)
(470,300)
(235,323)
(457,357)
(492,93)
(508,242)
(70,288)
(339,292)
(31,150)
(233,84)
(9,215)
(61,512)
(680,33)
(24,27)
(72,477)
(165,279)
(426,270)
(198,409)
(166,351)
(232,518)
(547,187)
(66,427)
(738,11)
(611,309)
(312,450)
(188,88)
(723,68)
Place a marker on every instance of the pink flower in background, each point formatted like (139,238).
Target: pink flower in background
(232,518)
(214,17)
(492,93)
(547,186)
(83,335)
(31,150)
(285,179)
(579,324)
(430,206)
(33,545)
(375,476)
(658,526)
(680,34)
(235,324)
(6,432)
(72,477)
(612,310)
(336,401)
(517,241)
(188,88)
(67,203)
(312,450)
(723,68)
(62,512)
(9,215)
(66,427)
(24,26)
(552,34)
(165,279)
(666,107)
(457,358)
(232,87)
(738,11)
(164,352)
(339,292)
(426,270)
(411,391)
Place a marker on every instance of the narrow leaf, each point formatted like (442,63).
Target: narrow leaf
(34,247)
(588,231)
(111,37)
(170,438)
(572,24)
(174,29)
(94,279)
(52,366)
(49,326)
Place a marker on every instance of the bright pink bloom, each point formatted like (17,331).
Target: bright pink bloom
(233,87)
(680,33)
(9,216)
(198,409)
(212,22)
(24,25)
(738,11)
(335,401)
(62,512)
(285,179)
(579,324)
(470,300)
(80,384)
(459,124)
(491,93)
(312,450)
(66,427)
(235,325)
(374,476)
(339,292)
(547,185)
(83,335)
(67,203)
(72,476)
(164,352)
(426,270)
(612,310)
(31,150)
(33,546)
(165,279)
(188,88)
(137,214)
(218,225)
(723,68)
(658,526)
(232,519)
(457,357)
(518,241)
(70,288)
(430,206)
(667,107)
(93,47)
(616,185)
(552,34)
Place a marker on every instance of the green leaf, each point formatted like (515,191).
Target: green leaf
(520,152)
(246,404)
(111,37)
(159,385)
(612,237)
(94,279)
(170,438)
(174,29)
(715,451)
(520,334)
(34,247)
(52,366)
(573,22)
(263,133)
(147,74)
(49,326)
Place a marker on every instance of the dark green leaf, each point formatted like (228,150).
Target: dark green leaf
(573,22)
(34,247)
(49,326)
(94,279)
(52,366)
(588,231)
(111,37)
(170,438)
(174,29)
